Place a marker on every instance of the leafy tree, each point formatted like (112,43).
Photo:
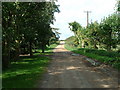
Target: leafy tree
(104,35)
(109,29)
(92,34)
(75,26)
(24,25)
(118,6)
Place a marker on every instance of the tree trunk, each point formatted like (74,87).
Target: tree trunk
(95,46)
(43,47)
(83,46)
(17,54)
(5,61)
(109,48)
(30,48)
(24,50)
(78,38)
(48,43)
(5,56)
(109,44)
(17,51)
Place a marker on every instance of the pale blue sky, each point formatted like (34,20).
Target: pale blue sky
(73,10)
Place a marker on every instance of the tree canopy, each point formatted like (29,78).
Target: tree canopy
(103,35)
(26,24)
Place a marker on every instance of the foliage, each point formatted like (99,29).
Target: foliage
(118,5)
(96,35)
(75,27)
(109,32)
(26,24)
(93,35)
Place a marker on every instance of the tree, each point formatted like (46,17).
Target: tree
(75,26)
(24,25)
(109,30)
(92,34)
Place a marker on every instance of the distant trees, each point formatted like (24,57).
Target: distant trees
(26,24)
(96,35)
(103,35)
(118,6)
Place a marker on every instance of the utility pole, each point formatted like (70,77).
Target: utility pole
(87,16)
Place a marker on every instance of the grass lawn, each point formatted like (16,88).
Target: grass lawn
(111,58)
(48,50)
(27,71)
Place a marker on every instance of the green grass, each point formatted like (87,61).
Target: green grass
(112,58)
(48,50)
(27,71)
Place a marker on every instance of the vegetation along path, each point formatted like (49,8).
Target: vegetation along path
(70,71)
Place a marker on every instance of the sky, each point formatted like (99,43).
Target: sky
(73,10)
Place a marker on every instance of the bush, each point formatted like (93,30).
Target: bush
(100,52)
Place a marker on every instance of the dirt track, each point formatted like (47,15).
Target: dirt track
(68,71)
